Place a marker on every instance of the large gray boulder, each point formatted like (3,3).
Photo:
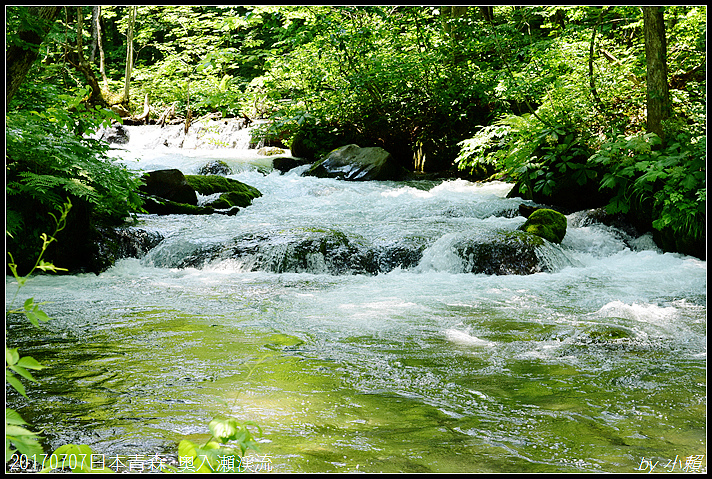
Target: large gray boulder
(353,163)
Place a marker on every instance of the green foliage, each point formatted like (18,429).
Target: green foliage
(76,458)
(310,138)
(47,162)
(19,437)
(229,441)
(16,435)
(534,154)
(668,180)
(378,76)
(49,158)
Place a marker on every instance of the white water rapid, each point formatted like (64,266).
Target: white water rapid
(595,365)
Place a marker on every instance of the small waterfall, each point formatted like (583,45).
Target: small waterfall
(202,134)
(554,258)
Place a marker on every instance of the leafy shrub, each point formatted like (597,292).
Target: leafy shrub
(536,155)
(667,182)
(48,161)
(230,440)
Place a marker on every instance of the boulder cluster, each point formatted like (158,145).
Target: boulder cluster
(169,191)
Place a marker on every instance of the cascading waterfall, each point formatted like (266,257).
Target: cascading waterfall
(379,349)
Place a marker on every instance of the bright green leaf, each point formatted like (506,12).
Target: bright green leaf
(15,383)
(29,363)
(11,355)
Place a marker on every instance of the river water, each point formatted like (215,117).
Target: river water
(598,365)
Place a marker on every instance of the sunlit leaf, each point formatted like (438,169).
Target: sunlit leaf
(224,429)
(29,363)
(15,383)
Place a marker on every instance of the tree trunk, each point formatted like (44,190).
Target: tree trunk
(129,53)
(658,95)
(597,103)
(94,32)
(100,45)
(19,59)
(449,16)
(187,109)
(487,13)
(83,66)
(146,111)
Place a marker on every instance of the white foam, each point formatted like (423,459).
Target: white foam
(461,337)
(647,313)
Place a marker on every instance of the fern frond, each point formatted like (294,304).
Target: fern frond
(45,184)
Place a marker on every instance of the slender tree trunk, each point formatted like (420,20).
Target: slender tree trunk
(129,53)
(449,14)
(187,109)
(19,59)
(94,32)
(82,64)
(658,95)
(598,104)
(100,45)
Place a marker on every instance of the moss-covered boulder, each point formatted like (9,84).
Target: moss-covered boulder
(234,193)
(168,192)
(169,184)
(547,224)
(162,206)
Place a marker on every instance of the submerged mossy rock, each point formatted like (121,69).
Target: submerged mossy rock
(270,151)
(117,243)
(301,250)
(353,163)
(608,334)
(161,206)
(313,250)
(547,224)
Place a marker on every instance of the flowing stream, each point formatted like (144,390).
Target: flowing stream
(597,365)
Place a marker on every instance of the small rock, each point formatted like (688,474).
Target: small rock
(217,167)
(270,151)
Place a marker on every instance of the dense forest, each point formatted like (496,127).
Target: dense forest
(581,106)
